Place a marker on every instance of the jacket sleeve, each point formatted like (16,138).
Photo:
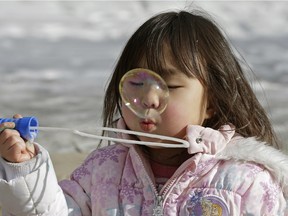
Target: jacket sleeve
(31,188)
(264,197)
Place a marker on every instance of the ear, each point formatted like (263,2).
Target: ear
(210,111)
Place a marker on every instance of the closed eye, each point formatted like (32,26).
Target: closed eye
(174,86)
(136,83)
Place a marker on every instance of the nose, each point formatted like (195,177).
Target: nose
(151,100)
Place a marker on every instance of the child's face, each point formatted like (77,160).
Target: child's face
(187,105)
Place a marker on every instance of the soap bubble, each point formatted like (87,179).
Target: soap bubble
(144,92)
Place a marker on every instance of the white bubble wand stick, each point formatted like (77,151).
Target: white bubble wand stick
(28,128)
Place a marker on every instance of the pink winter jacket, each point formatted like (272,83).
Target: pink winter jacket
(226,175)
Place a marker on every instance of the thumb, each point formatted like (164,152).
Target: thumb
(17,116)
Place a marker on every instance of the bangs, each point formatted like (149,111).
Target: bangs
(174,36)
(177,38)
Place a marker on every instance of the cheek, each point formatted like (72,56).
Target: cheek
(174,122)
(182,114)
(172,110)
(126,110)
(174,116)
(174,113)
(127,115)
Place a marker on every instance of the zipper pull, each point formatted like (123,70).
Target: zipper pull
(158,209)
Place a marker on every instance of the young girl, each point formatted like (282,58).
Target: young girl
(231,167)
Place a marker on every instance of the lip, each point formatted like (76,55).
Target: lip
(147,125)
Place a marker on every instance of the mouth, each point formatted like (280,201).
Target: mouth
(147,125)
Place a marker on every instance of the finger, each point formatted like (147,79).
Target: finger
(7,125)
(17,116)
(13,140)
(15,153)
(21,156)
(11,147)
(5,134)
(30,148)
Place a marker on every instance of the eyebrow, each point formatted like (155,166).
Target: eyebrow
(169,71)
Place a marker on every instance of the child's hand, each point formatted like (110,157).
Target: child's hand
(13,148)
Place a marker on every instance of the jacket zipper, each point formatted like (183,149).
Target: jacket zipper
(158,206)
(158,209)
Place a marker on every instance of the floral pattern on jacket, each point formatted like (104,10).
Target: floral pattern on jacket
(226,175)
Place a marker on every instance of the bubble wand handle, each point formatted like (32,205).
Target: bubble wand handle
(26,126)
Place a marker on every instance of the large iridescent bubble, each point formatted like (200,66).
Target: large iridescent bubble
(144,92)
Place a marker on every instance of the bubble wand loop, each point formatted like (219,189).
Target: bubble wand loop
(28,129)
(184,143)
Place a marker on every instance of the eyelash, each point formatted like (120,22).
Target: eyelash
(174,87)
(136,83)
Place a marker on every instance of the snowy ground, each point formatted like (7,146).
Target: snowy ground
(56,56)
